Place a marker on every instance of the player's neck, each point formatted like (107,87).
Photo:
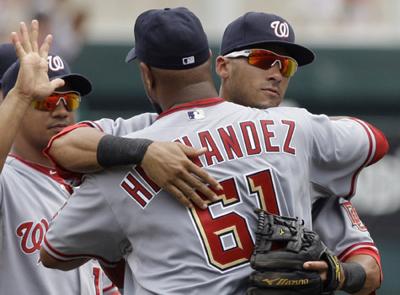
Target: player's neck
(223,93)
(187,94)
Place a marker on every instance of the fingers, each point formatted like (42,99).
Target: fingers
(319,266)
(192,152)
(201,173)
(34,35)
(56,83)
(199,186)
(179,196)
(19,50)
(316,265)
(190,184)
(44,49)
(25,42)
(190,194)
(25,39)
(204,176)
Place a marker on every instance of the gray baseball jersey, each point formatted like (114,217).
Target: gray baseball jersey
(121,127)
(261,158)
(337,223)
(346,240)
(30,195)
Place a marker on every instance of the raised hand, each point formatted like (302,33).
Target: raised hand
(33,82)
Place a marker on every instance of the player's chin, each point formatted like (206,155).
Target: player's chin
(53,131)
(268,99)
(266,103)
(56,129)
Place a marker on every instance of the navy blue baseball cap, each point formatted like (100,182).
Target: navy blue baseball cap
(259,30)
(7,58)
(58,68)
(170,38)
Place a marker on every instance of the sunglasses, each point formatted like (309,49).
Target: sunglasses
(265,59)
(71,101)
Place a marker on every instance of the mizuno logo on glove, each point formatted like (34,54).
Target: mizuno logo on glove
(286,282)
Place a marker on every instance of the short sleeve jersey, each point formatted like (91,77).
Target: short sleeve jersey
(122,127)
(337,223)
(261,158)
(347,240)
(30,195)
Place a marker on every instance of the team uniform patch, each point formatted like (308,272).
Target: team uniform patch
(353,215)
(196,115)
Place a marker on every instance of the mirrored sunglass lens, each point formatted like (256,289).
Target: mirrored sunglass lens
(70,100)
(265,59)
(262,61)
(289,67)
(292,67)
(73,101)
(47,104)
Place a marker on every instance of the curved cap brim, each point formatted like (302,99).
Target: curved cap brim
(131,55)
(77,83)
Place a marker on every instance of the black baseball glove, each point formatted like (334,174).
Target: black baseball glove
(282,246)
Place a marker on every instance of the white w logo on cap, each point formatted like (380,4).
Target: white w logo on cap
(281,29)
(55,63)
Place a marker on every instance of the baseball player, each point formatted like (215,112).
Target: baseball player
(200,251)
(350,240)
(31,191)
(258,58)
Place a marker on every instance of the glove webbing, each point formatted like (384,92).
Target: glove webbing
(273,228)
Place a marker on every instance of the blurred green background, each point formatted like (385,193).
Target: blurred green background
(357,81)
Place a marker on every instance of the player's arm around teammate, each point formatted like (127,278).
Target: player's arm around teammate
(87,149)
(32,83)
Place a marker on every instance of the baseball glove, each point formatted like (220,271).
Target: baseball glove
(282,246)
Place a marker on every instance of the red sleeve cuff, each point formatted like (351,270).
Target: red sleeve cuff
(381,144)
(373,252)
(64,173)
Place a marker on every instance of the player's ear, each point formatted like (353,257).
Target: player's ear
(147,77)
(222,67)
(148,83)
